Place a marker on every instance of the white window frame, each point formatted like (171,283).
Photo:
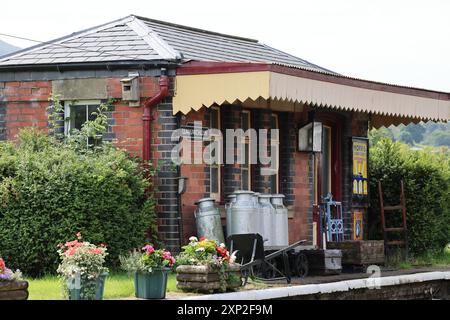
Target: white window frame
(68,112)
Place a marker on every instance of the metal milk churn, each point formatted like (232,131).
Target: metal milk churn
(258,227)
(243,213)
(231,200)
(207,218)
(281,234)
(267,213)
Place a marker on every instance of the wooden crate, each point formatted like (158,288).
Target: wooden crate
(361,253)
(324,262)
(204,279)
(13,290)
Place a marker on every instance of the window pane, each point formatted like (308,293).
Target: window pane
(273,122)
(215,119)
(214,180)
(244,122)
(90,110)
(78,114)
(273,183)
(247,155)
(244,179)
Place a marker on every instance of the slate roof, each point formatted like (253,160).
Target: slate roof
(135,38)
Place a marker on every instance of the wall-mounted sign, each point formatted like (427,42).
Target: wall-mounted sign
(359,174)
(358,223)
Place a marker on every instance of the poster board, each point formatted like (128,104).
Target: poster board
(360,149)
(358,224)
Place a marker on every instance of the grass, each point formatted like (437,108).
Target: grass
(440,259)
(117,285)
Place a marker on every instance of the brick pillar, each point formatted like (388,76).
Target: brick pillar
(288,138)
(167,184)
(347,175)
(261,120)
(232,172)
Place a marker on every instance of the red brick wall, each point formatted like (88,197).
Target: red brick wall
(26,105)
(128,125)
(27,102)
(299,226)
(197,181)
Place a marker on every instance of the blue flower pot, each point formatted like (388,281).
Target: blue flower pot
(81,292)
(151,285)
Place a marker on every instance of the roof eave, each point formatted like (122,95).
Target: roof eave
(111,65)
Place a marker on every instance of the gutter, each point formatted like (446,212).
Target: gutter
(147,115)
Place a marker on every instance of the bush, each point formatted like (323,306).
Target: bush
(426,177)
(51,189)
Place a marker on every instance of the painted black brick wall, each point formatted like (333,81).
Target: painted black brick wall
(167,197)
(288,138)
(2,121)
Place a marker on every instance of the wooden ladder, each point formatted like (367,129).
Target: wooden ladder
(403,243)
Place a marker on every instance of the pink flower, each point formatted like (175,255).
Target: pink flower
(79,235)
(148,249)
(71,243)
(71,251)
(96,251)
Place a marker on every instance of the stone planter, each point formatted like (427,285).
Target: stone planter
(360,253)
(204,279)
(13,290)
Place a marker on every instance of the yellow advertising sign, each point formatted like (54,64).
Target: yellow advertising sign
(360,182)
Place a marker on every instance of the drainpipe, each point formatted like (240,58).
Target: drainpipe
(147,116)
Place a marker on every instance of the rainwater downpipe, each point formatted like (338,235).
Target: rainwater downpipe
(147,117)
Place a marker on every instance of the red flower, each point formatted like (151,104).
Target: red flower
(203,238)
(2,265)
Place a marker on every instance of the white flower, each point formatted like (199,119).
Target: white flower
(233,257)
(201,249)
(222,245)
(193,239)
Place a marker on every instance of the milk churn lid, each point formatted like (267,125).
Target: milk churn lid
(243,192)
(205,200)
(278,196)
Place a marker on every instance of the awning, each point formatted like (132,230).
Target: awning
(387,104)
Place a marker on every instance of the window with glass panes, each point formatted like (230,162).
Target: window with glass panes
(215,170)
(77,113)
(274,140)
(246,166)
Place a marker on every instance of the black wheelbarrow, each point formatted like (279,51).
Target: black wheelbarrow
(276,265)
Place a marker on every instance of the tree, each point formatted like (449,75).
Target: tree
(375,135)
(416,131)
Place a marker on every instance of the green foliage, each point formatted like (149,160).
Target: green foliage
(52,188)
(375,135)
(426,176)
(430,134)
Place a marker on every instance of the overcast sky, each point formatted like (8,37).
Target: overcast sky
(396,41)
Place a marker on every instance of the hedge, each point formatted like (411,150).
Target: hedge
(426,176)
(50,190)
